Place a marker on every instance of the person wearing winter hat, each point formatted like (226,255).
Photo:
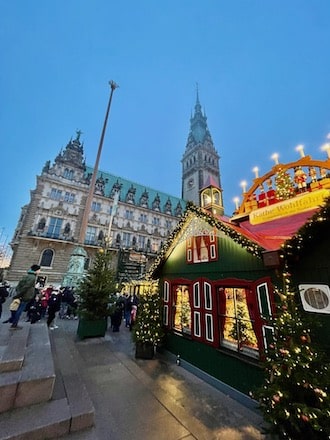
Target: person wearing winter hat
(25,291)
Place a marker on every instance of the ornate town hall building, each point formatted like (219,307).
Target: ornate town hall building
(133,220)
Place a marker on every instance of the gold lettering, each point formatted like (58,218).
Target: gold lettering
(289,207)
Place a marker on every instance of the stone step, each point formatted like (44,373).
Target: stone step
(29,408)
(34,381)
(38,422)
(13,344)
(81,406)
(38,372)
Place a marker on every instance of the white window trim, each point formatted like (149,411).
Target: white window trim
(268,327)
(197,319)
(213,253)
(196,289)
(165,315)
(207,288)
(166,291)
(267,298)
(208,337)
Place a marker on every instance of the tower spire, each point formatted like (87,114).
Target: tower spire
(197,93)
(200,160)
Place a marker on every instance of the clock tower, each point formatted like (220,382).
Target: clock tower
(200,161)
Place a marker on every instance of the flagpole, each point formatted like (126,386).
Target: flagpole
(89,199)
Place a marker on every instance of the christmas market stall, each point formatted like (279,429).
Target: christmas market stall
(221,278)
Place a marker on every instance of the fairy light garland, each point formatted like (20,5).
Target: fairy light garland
(298,244)
(193,210)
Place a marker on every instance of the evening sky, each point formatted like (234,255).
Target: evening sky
(262,68)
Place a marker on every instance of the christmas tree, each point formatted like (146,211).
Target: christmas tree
(148,326)
(242,330)
(295,398)
(97,288)
(284,185)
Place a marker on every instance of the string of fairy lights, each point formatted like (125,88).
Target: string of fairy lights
(192,211)
(308,233)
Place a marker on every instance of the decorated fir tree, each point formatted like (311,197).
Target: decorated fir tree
(148,327)
(295,397)
(97,287)
(284,185)
(240,330)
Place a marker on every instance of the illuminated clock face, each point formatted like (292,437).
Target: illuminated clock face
(190,183)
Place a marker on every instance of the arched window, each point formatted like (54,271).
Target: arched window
(47,258)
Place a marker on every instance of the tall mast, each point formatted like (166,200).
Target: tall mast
(89,200)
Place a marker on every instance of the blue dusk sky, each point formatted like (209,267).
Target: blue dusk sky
(262,68)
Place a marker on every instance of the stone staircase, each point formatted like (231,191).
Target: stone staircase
(42,395)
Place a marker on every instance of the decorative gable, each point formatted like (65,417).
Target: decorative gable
(201,242)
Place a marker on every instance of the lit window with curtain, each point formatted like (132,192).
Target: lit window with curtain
(202,248)
(237,327)
(182,310)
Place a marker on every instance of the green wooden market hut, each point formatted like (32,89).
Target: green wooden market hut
(218,276)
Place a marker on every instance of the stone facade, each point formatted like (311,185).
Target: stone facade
(129,218)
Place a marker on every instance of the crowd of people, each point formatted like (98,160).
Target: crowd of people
(124,309)
(51,303)
(39,302)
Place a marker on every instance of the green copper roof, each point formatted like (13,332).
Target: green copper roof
(112,180)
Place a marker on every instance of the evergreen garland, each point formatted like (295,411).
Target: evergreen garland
(310,233)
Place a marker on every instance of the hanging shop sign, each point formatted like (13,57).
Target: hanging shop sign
(296,205)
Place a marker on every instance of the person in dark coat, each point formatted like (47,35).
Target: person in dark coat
(3,295)
(25,292)
(54,305)
(116,317)
(72,305)
(127,310)
(35,310)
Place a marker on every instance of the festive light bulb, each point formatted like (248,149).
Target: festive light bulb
(275,157)
(300,149)
(243,185)
(256,172)
(236,200)
(326,148)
